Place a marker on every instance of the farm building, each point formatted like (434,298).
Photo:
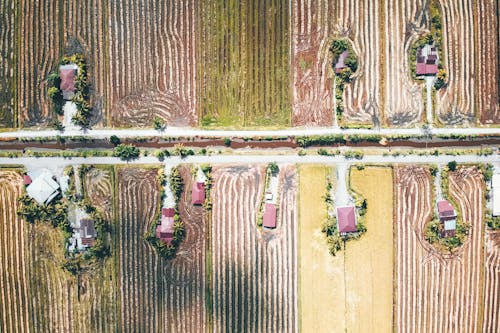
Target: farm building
(495,184)
(427,60)
(165,231)
(27,180)
(340,65)
(84,235)
(42,187)
(198,193)
(448,218)
(269,218)
(346,219)
(67,74)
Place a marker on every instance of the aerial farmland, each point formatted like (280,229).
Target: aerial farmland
(238,166)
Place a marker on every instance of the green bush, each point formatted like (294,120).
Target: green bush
(126,152)
(158,123)
(114,140)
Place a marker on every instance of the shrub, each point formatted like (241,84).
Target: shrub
(114,140)
(158,123)
(227,142)
(452,166)
(273,168)
(126,152)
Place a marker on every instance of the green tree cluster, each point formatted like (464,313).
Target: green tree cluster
(126,152)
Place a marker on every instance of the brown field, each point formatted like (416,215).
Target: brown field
(435,292)
(361,21)
(51,29)
(312,74)
(403,97)
(40,46)
(38,295)
(152,65)
(486,14)
(157,295)
(491,320)
(14,278)
(254,271)
(8,38)
(455,104)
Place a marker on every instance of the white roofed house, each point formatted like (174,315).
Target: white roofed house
(43,188)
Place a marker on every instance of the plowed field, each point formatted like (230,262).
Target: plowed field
(254,272)
(438,293)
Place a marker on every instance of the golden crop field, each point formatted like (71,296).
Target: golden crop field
(321,289)
(369,260)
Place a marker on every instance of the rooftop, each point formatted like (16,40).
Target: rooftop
(346,219)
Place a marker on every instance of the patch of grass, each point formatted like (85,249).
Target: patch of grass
(244,71)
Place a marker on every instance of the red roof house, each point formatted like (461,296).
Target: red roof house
(446,210)
(198,193)
(165,231)
(87,232)
(269,218)
(346,219)
(427,61)
(67,74)
(27,180)
(340,65)
(448,217)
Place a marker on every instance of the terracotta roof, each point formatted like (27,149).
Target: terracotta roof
(168,212)
(27,180)
(445,209)
(198,193)
(165,231)
(269,218)
(346,219)
(67,79)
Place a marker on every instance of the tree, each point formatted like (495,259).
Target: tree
(227,142)
(452,166)
(58,125)
(126,152)
(114,140)
(54,80)
(441,78)
(273,168)
(158,123)
(54,93)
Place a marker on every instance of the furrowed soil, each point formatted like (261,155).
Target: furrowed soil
(254,271)
(435,291)
(152,62)
(156,294)
(8,67)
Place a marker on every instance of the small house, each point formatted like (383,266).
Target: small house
(198,193)
(43,188)
(447,217)
(427,61)
(87,233)
(27,180)
(67,75)
(495,185)
(269,218)
(165,231)
(340,65)
(346,219)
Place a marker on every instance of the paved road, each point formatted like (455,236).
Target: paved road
(192,132)
(50,162)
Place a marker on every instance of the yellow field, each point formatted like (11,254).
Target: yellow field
(369,261)
(321,286)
